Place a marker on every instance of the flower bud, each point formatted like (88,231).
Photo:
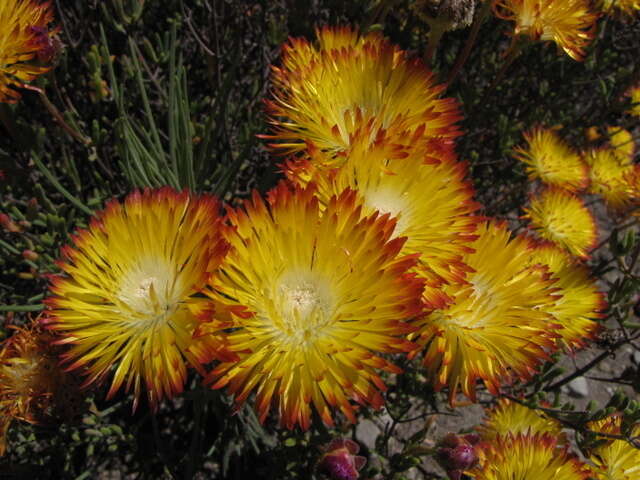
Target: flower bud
(340,461)
(8,224)
(30,255)
(458,454)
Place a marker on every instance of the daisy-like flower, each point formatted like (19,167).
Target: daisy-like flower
(29,379)
(634,96)
(327,293)
(24,35)
(569,23)
(580,302)
(496,329)
(624,8)
(126,302)
(562,218)
(552,161)
(509,417)
(615,459)
(529,457)
(323,91)
(615,180)
(432,201)
(622,143)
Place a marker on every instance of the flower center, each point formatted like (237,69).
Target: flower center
(304,305)
(149,288)
(388,200)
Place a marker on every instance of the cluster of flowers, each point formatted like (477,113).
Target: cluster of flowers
(515,441)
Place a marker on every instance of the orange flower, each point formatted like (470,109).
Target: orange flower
(24,35)
(323,93)
(570,24)
(326,294)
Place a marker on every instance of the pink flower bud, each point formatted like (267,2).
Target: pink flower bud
(340,461)
(30,255)
(8,224)
(458,454)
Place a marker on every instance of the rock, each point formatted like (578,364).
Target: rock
(578,388)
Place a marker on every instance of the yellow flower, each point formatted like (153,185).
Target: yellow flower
(615,459)
(432,202)
(29,379)
(623,7)
(24,35)
(496,329)
(617,181)
(552,161)
(509,417)
(569,23)
(529,457)
(324,92)
(622,143)
(579,303)
(563,218)
(634,94)
(327,294)
(126,302)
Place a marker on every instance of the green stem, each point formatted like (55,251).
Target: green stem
(47,173)
(435,34)
(15,251)
(22,308)
(55,113)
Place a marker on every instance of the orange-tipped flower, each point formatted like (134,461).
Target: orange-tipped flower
(580,303)
(622,143)
(552,161)
(569,23)
(496,329)
(618,182)
(562,218)
(326,293)
(29,379)
(622,8)
(126,303)
(24,35)
(634,96)
(614,459)
(432,201)
(324,92)
(529,457)
(509,417)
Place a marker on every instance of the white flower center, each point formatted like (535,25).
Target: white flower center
(388,200)
(304,304)
(149,288)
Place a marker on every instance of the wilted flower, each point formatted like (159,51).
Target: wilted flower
(569,23)
(445,14)
(126,303)
(31,383)
(24,35)
(340,460)
(326,293)
(562,218)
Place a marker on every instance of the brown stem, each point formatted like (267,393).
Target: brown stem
(55,113)
(471,39)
